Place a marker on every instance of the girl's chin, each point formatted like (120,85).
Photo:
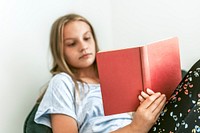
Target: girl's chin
(86,64)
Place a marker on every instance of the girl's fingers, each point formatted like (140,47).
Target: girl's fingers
(161,105)
(150,92)
(141,99)
(158,104)
(147,102)
(144,95)
(158,114)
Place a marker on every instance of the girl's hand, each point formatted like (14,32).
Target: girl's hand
(148,111)
(144,95)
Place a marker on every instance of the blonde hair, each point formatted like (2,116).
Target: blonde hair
(56,47)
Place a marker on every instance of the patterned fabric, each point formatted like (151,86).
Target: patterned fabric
(182,112)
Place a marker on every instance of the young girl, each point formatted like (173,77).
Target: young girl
(72,102)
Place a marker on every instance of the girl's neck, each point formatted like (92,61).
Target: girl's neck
(88,75)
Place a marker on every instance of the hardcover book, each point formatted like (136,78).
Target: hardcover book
(124,73)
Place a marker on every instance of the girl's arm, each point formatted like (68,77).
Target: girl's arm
(63,124)
(148,112)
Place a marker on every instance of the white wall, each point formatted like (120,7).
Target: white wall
(137,22)
(24,35)
(24,56)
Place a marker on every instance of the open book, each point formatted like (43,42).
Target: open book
(124,73)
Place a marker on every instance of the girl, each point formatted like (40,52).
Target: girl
(72,102)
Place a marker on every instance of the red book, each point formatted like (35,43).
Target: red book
(124,73)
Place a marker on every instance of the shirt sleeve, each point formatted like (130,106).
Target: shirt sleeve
(58,99)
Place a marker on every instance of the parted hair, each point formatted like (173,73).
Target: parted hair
(56,46)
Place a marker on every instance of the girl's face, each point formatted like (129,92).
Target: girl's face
(79,44)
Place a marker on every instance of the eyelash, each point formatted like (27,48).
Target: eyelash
(74,43)
(71,44)
(87,38)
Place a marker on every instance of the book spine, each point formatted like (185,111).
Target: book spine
(145,67)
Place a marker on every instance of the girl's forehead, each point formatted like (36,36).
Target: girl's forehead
(76,24)
(76,28)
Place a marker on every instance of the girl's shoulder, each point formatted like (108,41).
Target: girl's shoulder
(62,77)
(62,74)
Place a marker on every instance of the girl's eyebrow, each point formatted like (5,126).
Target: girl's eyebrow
(71,38)
(88,32)
(65,39)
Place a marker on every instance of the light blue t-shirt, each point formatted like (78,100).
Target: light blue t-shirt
(85,107)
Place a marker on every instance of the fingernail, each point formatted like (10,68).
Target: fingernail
(159,93)
(150,90)
(142,92)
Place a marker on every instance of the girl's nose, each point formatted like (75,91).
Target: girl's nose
(83,46)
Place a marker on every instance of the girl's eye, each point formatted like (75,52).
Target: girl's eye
(87,38)
(70,44)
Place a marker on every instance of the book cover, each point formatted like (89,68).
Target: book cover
(124,73)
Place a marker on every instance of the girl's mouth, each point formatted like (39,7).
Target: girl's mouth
(85,55)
